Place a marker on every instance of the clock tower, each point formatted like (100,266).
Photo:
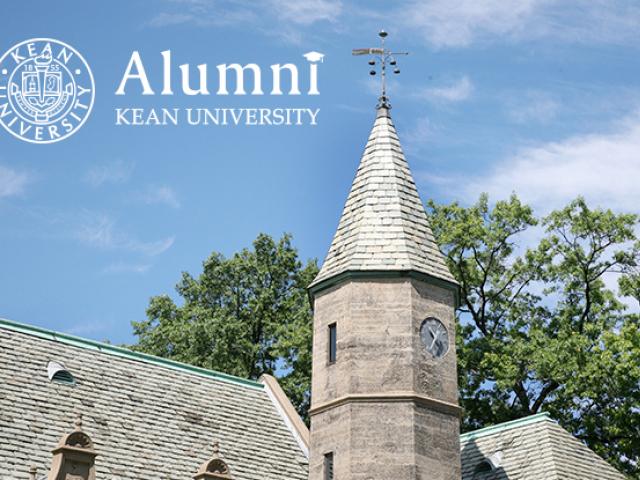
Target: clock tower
(384,389)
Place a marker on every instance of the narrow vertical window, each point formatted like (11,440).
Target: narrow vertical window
(328,465)
(332,343)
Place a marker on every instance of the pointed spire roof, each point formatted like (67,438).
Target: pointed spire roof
(384,225)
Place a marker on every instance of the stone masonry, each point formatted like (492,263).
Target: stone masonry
(386,408)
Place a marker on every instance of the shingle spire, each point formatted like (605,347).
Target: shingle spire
(384,224)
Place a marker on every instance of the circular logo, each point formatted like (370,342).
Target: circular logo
(46,90)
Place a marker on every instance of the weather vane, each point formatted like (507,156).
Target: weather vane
(385,57)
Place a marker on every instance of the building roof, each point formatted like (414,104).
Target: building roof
(149,418)
(532,448)
(384,225)
(152,418)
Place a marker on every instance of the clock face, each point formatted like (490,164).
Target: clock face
(435,337)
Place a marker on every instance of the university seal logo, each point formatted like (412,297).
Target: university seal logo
(46,90)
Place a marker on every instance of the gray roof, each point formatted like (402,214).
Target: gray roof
(152,418)
(149,418)
(532,448)
(384,225)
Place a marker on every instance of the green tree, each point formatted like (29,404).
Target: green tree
(245,315)
(542,328)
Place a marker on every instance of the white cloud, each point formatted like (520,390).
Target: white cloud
(162,195)
(307,12)
(455,92)
(114,172)
(602,167)
(443,23)
(531,106)
(123,267)
(89,328)
(283,17)
(164,19)
(205,14)
(100,231)
(456,24)
(421,134)
(12,182)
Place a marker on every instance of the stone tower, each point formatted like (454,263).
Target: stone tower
(384,390)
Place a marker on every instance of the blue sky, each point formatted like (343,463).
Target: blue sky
(534,96)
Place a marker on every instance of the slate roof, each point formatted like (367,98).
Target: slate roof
(384,225)
(149,418)
(532,448)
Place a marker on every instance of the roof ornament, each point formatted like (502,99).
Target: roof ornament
(215,468)
(74,456)
(78,422)
(384,57)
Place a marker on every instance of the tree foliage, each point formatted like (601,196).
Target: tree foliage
(544,327)
(245,315)
(548,318)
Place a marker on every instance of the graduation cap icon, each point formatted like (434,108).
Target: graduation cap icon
(314,56)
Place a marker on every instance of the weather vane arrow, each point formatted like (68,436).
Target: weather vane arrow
(384,57)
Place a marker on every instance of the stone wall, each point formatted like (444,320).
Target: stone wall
(386,408)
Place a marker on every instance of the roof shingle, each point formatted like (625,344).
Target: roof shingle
(150,419)
(384,225)
(533,448)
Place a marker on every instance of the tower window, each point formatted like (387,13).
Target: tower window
(332,342)
(328,466)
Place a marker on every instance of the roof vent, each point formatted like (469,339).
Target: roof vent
(489,464)
(59,374)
